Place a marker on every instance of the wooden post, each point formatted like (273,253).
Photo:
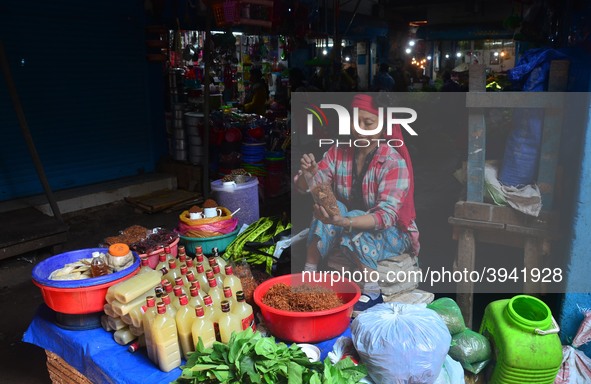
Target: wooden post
(466,260)
(476,138)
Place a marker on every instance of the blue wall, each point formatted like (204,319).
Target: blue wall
(90,98)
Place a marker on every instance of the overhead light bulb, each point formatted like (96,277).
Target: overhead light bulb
(459,54)
(324,52)
(347,58)
(496,54)
(407,50)
(429,57)
(447,56)
(411,43)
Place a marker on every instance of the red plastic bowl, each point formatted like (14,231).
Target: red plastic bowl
(308,327)
(77,297)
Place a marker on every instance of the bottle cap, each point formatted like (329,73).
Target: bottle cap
(195,284)
(216,268)
(194,291)
(167,249)
(161,307)
(199,311)
(227,292)
(190,276)
(225,306)
(209,274)
(165,299)
(183,299)
(198,250)
(145,261)
(151,301)
(189,262)
(171,264)
(133,347)
(119,249)
(211,261)
(212,283)
(184,269)
(228,270)
(207,300)
(162,256)
(178,281)
(200,268)
(178,290)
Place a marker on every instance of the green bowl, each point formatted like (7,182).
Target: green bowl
(208,243)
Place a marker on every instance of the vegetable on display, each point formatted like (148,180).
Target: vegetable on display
(249,357)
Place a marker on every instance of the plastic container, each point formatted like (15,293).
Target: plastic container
(524,338)
(208,243)
(239,195)
(153,256)
(77,296)
(308,327)
(119,255)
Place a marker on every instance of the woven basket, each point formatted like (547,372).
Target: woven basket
(61,372)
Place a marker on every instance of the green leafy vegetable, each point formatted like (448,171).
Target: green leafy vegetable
(250,358)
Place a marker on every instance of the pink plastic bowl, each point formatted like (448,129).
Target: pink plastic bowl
(153,256)
(308,327)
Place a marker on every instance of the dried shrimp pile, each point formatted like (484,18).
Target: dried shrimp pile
(302,298)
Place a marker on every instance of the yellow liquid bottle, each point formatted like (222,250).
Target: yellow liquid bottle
(168,253)
(202,277)
(216,292)
(180,282)
(199,256)
(244,312)
(168,288)
(148,319)
(191,267)
(144,265)
(219,276)
(228,323)
(189,278)
(173,271)
(229,297)
(232,281)
(166,340)
(196,297)
(170,309)
(202,328)
(213,312)
(175,300)
(162,261)
(184,323)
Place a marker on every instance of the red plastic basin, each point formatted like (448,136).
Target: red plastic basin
(308,327)
(77,297)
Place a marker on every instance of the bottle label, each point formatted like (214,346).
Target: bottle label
(248,322)
(216,327)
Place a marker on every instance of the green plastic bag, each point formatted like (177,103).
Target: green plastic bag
(471,349)
(451,314)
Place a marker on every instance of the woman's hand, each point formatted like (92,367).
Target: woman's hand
(308,163)
(321,214)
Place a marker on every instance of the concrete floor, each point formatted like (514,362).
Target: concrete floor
(436,192)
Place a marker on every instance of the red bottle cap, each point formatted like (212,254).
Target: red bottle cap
(161,308)
(183,299)
(207,300)
(228,269)
(199,311)
(212,283)
(227,292)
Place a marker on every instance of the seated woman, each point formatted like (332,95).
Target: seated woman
(256,99)
(374,187)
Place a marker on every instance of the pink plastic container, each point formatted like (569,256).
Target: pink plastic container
(153,256)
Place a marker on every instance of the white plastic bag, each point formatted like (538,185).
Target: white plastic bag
(401,343)
(576,366)
(451,373)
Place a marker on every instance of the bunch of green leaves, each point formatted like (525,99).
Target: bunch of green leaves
(250,357)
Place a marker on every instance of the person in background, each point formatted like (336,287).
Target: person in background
(374,188)
(450,82)
(383,82)
(256,100)
(298,82)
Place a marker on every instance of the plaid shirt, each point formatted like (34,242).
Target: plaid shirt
(384,186)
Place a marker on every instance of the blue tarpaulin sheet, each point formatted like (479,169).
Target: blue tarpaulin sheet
(99,358)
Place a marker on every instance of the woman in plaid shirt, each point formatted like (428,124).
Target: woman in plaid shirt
(374,187)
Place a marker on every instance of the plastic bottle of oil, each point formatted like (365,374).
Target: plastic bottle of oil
(162,261)
(144,265)
(219,276)
(229,297)
(216,292)
(202,277)
(244,312)
(213,312)
(228,323)
(184,323)
(170,309)
(165,339)
(196,297)
(98,265)
(148,318)
(173,271)
(202,328)
(191,266)
(232,281)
